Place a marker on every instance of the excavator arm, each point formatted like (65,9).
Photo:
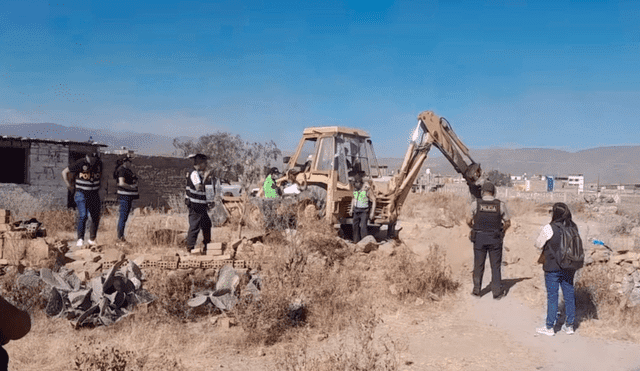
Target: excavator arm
(431,130)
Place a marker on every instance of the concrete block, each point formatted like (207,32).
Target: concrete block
(215,246)
(212,252)
(204,258)
(170,258)
(15,235)
(4,262)
(5,212)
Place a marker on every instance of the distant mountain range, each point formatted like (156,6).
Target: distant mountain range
(143,143)
(617,164)
(613,165)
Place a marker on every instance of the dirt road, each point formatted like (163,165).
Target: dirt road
(468,333)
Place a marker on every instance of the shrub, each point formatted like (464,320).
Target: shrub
(359,350)
(172,292)
(413,278)
(26,298)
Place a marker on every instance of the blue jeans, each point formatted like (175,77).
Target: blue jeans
(125,209)
(553,280)
(88,204)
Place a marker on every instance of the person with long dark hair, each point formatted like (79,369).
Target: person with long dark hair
(127,192)
(554,275)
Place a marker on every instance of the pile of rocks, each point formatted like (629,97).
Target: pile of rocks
(103,300)
(622,254)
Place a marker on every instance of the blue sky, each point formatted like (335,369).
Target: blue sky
(560,74)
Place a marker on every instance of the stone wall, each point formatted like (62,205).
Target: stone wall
(160,179)
(46,162)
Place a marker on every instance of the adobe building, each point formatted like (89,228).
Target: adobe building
(35,165)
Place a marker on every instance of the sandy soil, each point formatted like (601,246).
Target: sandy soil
(460,333)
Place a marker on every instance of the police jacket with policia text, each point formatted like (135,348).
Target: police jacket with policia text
(489,216)
(130,179)
(87,177)
(193,196)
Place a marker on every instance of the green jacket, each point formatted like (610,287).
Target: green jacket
(268,188)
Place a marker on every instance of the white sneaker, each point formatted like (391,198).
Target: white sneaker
(80,242)
(545,331)
(91,242)
(568,329)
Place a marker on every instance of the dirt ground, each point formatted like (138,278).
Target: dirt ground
(459,333)
(481,333)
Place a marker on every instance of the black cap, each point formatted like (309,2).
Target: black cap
(488,187)
(200,156)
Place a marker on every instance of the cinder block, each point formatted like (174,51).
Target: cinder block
(215,246)
(92,268)
(170,258)
(5,212)
(4,262)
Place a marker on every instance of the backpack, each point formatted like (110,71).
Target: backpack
(570,254)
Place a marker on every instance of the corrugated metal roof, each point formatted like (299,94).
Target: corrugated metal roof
(53,141)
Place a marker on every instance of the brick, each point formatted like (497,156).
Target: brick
(204,258)
(170,258)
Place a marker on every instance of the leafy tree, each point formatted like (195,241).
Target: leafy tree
(231,158)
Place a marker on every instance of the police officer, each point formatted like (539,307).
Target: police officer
(271,192)
(84,178)
(489,220)
(196,200)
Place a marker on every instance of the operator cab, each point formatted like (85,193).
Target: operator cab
(350,148)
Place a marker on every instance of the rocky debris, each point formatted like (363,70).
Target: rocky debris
(224,296)
(445,219)
(103,300)
(601,199)
(367,244)
(623,255)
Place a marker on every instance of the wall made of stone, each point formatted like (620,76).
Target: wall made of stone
(160,178)
(46,162)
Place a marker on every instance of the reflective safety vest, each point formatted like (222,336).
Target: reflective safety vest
(267,187)
(127,191)
(193,195)
(88,179)
(362,201)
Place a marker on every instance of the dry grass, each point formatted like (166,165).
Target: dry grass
(419,205)
(420,279)
(596,300)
